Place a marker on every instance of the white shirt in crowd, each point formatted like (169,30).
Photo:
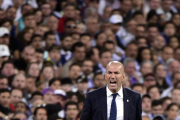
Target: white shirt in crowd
(119,103)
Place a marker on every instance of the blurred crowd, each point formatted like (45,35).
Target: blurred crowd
(52,52)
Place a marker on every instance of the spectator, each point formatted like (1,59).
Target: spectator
(157,109)
(153,91)
(172,111)
(48,96)
(40,113)
(71,110)
(4,101)
(16,96)
(7,68)
(146,106)
(55,84)
(3,82)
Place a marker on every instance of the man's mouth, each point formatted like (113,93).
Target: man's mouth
(113,82)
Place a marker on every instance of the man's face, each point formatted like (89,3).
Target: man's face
(5,99)
(152,33)
(99,81)
(37,43)
(27,9)
(157,110)
(115,27)
(146,68)
(146,105)
(74,72)
(139,89)
(101,39)
(86,41)
(71,112)
(154,93)
(53,23)
(131,51)
(131,26)
(39,57)
(69,12)
(70,27)
(106,58)
(16,96)
(30,21)
(3,83)
(161,71)
(87,67)
(49,98)
(149,81)
(55,55)
(28,54)
(82,86)
(41,115)
(34,70)
(30,86)
(92,25)
(56,85)
(177,55)
(79,53)
(48,73)
(154,4)
(19,81)
(46,9)
(50,40)
(159,42)
(8,69)
(166,5)
(176,96)
(167,53)
(126,6)
(176,78)
(130,68)
(2,14)
(67,43)
(174,67)
(20,107)
(140,31)
(11,13)
(114,76)
(5,40)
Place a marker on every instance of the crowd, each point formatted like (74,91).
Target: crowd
(52,52)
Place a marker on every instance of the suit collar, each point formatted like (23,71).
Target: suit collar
(103,101)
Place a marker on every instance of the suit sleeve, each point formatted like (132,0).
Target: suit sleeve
(139,108)
(86,113)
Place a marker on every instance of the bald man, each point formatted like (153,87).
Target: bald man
(112,102)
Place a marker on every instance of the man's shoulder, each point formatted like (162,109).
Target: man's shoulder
(98,91)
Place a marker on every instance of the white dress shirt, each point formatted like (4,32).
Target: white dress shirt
(119,103)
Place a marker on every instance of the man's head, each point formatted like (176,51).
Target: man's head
(175,95)
(4,36)
(33,69)
(138,87)
(157,108)
(70,26)
(74,71)
(158,43)
(47,72)
(154,92)
(100,39)
(114,76)
(99,80)
(140,31)
(177,54)
(173,66)
(48,95)
(105,57)
(146,103)
(16,96)
(69,10)
(4,97)
(126,5)
(82,84)
(146,67)
(50,38)
(21,107)
(152,32)
(19,81)
(85,39)
(78,50)
(160,71)
(30,84)
(116,21)
(46,9)
(28,53)
(154,4)
(11,13)
(129,66)
(40,113)
(54,53)
(92,25)
(66,42)
(167,52)
(39,54)
(7,68)
(149,80)
(175,77)
(3,82)
(36,41)
(20,116)
(29,20)
(52,23)
(131,50)
(71,110)
(26,8)
(87,67)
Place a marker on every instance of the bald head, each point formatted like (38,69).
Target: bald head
(145,118)
(116,63)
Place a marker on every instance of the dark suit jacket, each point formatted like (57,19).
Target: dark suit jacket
(95,105)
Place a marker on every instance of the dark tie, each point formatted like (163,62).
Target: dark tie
(113,112)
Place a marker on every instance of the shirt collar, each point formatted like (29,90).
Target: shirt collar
(109,93)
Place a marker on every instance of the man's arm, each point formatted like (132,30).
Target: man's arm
(139,108)
(86,113)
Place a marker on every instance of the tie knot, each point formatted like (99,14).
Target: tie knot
(114,95)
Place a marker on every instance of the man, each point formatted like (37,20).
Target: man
(71,110)
(40,113)
(7,68)
(4,101)
(48,96)
(27,56)
(157,108)
(78,50)
(146,106)
(50,39)
(99,80)
(3,82)
(105,97)
(19,81)
(16,96)
(152,33)
(4,53)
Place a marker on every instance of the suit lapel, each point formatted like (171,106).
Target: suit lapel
(103,102)
(126,104)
